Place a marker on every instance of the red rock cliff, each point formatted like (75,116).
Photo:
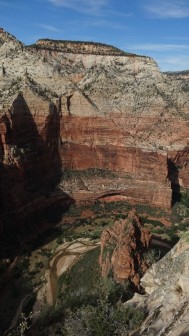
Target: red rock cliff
(30,162)
(97,110)
(122,248)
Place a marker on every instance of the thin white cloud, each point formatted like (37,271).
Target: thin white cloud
(119,14)
(84,6)
(175,9)
(105,24)
(159,47)
(49,28)
(178,38)
(173,63)
(92,7)
(177,60)
(170,57)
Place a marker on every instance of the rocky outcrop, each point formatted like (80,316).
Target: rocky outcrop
(166,285)
(79,47)
(122,249)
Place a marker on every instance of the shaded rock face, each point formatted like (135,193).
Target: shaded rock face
(30,167)
(180,163)
(95,108)
(122,249)
(166,285)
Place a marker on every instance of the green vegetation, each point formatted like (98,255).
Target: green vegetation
(87,173)
(75,47)
(119,208)
(185,87)
(185,201)
(83,284)
(89,305)
(22,326)
(176,73)
(152,256)
(41,91)
(89,220)
(21,289)
(103,320)
(180,213)
(79,285)
(12,88)
(156,227)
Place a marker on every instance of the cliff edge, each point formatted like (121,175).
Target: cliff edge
(166,285)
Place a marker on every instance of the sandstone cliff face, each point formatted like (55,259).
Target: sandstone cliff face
(93,110)
(30,162)
(167,294)
(122,248)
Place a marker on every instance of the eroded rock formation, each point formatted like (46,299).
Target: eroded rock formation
(94,108)
(122,248)
(166,285)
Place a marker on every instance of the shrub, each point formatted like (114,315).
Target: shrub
(151,256)
(185,199)
(103,320)
(22,326)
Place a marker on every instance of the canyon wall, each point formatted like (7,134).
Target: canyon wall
(92,108)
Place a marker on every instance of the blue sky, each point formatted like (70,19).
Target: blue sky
(157,28)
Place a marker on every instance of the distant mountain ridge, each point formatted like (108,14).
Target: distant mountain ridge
(83,47)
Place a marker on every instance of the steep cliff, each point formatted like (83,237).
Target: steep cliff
(64,108)
(166,285)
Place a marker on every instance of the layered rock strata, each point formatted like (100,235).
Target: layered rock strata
(66,109)
(122,249)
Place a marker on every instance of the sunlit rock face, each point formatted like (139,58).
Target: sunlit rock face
(166,300)
(122,248)
(80,106)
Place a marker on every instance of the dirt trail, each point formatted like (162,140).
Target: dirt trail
(66,255)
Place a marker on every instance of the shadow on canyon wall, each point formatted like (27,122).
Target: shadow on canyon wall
(30,171)
(173,175)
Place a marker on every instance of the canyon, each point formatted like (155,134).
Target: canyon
(96,107)
(85,125)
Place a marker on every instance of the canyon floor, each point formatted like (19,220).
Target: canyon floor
(58,267)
